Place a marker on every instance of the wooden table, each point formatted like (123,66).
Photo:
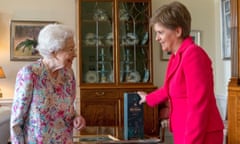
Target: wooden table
(108,135)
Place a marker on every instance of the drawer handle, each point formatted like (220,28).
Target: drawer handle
(99,93)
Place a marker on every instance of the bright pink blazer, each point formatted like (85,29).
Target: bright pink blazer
(190,89)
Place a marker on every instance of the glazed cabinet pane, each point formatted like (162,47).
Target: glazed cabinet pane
(114,41)
(134,42)
(97,42)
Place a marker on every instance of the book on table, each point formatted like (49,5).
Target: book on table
(133,117)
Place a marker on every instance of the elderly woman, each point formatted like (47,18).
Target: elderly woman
(43,107)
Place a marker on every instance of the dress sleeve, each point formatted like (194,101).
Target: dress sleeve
(22,99)
(158,96)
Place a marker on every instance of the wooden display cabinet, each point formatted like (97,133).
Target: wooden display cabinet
(233,110)
(115,56)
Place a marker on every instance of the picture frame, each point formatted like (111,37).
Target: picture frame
(225,29)
(23,39)
(196,36)
(164,55)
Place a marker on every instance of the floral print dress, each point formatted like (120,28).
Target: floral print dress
(43,107)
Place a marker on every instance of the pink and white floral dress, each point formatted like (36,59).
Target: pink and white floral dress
(43,107)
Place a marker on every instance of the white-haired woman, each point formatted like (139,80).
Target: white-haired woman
(43,106)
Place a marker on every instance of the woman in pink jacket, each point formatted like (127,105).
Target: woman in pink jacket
(194,117)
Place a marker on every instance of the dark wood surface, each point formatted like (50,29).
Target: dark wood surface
(114,133)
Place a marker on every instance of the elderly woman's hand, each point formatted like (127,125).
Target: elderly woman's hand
(79,122)
(142,96)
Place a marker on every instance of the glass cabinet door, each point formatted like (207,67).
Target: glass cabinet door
(97,42)
(134,42)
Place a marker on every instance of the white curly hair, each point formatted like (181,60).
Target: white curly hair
(53,38)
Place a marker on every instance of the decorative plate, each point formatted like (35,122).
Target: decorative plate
(145,39)
(91,77)
(134,77)
(110,77)
(130,39)
(109,39)
(90,39)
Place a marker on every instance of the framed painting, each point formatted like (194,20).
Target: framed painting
(225,29)
(23,39)
(195,34)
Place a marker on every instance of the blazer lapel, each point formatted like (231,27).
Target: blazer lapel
(176,59)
